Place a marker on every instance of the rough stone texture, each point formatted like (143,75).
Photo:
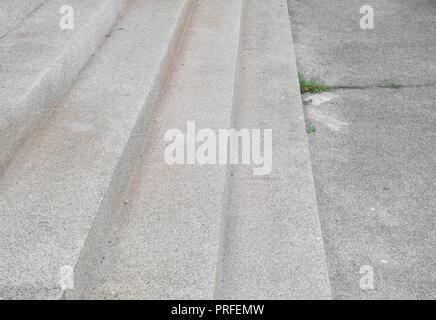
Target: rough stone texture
(52,191)
(13,12)
(167,243)
(374,148)
(272,243)
(39,62)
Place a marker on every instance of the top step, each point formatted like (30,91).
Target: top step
(272,244)
(13,12)
(74,167)
(39,61)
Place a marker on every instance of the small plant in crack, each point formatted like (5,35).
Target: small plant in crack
(391,86)
(310,128)
(311,85)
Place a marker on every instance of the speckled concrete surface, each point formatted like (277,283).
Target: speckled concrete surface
(373,151)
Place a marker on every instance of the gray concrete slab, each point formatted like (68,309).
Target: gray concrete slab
(166,244)
(272,245)
(58,181)
(373,151)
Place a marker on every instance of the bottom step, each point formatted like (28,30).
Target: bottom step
(272,246)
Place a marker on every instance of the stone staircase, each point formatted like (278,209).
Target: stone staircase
(89,207)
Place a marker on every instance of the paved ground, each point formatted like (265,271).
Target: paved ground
(373,152)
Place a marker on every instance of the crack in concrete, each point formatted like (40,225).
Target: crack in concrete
(381,86)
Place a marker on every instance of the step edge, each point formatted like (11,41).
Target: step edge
(224,206)
(295,86)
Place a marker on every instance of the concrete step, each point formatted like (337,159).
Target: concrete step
(89,206)
(39,60)
(73,169)
(165,243)
(272,245)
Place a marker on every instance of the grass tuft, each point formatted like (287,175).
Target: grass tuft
(311,85)
(310,128)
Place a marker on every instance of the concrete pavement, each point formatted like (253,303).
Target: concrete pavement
(374,148)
